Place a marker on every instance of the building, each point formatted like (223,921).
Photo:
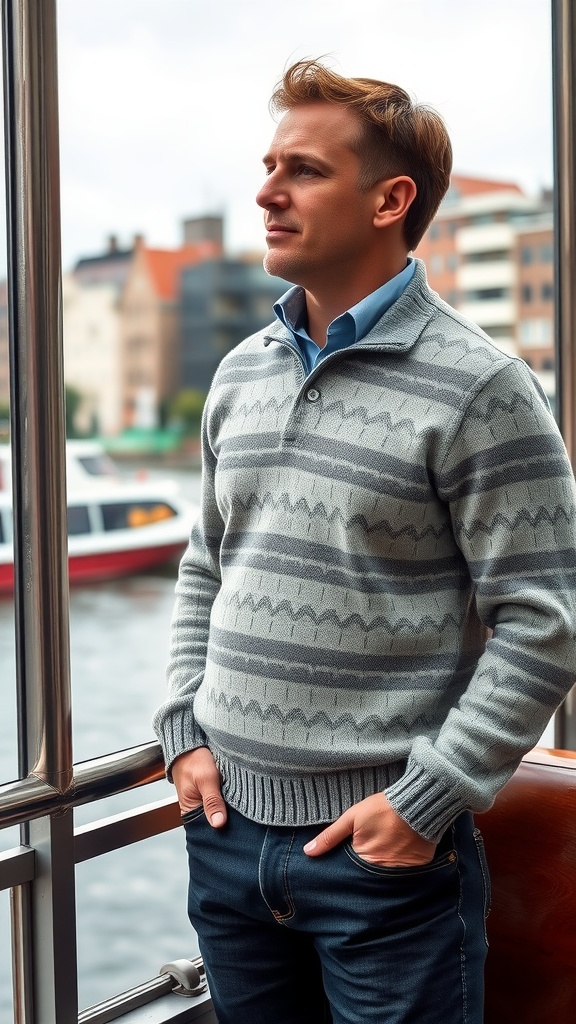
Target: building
(4,349)
(534,260)
(476,256)
(110,267)
(223,301)
(150,326)
(91,337)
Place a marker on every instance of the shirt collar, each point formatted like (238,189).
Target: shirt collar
(348,328)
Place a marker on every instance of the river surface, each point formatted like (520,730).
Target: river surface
(131,904)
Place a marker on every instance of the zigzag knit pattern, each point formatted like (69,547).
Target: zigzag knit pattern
(361,529)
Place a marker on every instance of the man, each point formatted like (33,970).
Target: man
(383,489)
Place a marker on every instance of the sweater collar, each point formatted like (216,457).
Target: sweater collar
(400,326)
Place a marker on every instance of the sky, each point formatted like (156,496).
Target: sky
(164,103)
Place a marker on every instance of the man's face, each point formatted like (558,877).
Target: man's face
(318,224)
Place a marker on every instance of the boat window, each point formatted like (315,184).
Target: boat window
(122,515)
(98,465)
(78,520)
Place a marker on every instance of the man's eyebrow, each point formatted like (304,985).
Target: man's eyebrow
(297,156)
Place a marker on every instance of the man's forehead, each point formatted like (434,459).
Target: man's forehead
(314,127)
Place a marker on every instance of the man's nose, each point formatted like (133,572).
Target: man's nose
(272,194)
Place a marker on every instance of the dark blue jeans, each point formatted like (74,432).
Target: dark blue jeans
(290,939)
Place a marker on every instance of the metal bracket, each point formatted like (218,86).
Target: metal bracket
(189,976)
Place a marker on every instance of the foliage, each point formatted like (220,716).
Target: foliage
(186,408)
(4,422)
(73,401)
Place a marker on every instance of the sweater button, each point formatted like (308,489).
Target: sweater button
(312,395)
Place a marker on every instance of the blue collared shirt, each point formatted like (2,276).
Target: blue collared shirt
(346,329)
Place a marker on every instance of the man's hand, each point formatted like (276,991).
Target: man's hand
(379,835)
(197,782)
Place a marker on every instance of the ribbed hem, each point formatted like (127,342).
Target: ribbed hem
(300,800)
(178,733)
(427,803)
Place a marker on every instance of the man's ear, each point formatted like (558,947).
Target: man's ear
(394,197)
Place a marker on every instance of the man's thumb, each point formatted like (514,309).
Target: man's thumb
(215,809)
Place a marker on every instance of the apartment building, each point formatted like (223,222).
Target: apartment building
(534,259)
(92,337)
(223,301)
(91,340)
(476,253)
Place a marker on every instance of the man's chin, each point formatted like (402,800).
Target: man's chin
(279,265)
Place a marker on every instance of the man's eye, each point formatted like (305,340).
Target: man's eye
(307,171)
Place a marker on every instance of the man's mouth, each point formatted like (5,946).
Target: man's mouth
(273,229)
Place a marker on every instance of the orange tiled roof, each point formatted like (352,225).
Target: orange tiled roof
(468,186)
(165,264)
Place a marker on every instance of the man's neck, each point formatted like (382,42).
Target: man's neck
(323,306)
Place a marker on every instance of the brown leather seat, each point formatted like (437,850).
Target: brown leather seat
(530,837)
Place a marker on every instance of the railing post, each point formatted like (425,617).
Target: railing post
(564,86)
(39,491)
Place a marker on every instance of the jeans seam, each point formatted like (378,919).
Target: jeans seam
(486,883)
(279,918)
(462,945)
(287,892)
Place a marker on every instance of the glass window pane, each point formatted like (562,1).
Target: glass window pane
(8,731)
(6,1002)
(132,919)
(78,520)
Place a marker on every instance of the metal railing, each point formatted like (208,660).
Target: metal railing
(108,775)
(41,871)
(564,98)
(93,780)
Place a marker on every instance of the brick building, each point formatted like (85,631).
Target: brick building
(488,252)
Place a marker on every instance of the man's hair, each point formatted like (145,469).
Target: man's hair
(397,136)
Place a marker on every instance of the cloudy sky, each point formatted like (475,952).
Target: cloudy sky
(163,103)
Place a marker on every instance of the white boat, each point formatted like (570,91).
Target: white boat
(117,525)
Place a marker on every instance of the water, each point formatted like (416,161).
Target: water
(131,903)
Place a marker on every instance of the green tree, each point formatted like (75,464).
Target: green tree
(186,408)
(73,401)
(4,421)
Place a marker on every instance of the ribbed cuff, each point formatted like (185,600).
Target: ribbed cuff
(178,733)
(427,803)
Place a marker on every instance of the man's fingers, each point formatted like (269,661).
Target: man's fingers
(331,836)
(214,808)
(197,781)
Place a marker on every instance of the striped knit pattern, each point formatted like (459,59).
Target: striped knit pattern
(360,529)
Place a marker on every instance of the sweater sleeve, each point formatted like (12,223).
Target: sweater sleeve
(196,590)
(510,489)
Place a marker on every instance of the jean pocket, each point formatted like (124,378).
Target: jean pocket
(438,862)
(192,815)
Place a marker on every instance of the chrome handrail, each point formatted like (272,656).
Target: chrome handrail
(564,87)
(564,111)
(118,772)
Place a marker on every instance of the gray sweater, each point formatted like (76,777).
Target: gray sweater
(364,530)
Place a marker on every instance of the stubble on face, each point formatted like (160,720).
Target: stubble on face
(313,189)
